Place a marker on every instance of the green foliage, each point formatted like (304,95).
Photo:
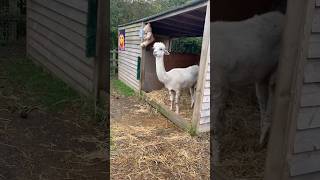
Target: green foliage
(121,88)
(124,11)
(187,45)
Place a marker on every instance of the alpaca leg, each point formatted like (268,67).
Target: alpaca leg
(262,96)
(217,106)
(192,96)
(171,99)
(177,101)
(267,121)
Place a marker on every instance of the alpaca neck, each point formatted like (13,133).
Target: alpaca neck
(161,71)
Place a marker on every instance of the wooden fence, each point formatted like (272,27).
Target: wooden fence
(113,62)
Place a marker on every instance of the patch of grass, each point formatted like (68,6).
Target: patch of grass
(37,86)
(121,88)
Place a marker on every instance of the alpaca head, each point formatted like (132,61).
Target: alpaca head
(159,49)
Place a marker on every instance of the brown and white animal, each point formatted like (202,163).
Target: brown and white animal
(245,52)
(148,37)
(176,79)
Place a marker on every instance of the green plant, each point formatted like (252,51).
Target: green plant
(121,88)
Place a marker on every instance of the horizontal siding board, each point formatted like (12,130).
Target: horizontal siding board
(76,27)
(312,71)
(204,120)
(131,26)
(206,92)
(305,163)
(204,113)
(307,140)
(128,70)
(81,5)
(205,106)
(40,59)
(316,21)
(132,60)
(308,118)
(76,76)
(133,55)
(123,77)
(61,41)
(124,66)
(62,55)
(204,127)
(128,81)
(310,95)
(311,176)
(67,11)
(314,50)
(76,39)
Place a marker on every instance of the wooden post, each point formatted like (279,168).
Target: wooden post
(288,88)
(102,53)
(202,68)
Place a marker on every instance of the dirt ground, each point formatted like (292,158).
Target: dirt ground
(46,145)
(145,145)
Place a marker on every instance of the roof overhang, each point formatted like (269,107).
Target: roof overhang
(185,21)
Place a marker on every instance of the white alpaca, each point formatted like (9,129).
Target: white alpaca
(244,53)
(176,79)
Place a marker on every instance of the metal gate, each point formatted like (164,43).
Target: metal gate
(12,20)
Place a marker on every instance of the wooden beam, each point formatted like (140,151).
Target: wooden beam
(201,75)
(289,81)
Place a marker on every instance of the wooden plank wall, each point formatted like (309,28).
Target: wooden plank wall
(204,124)
(304,164)
(56,40)
(128,59)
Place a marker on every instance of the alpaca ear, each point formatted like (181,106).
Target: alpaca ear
(166,52)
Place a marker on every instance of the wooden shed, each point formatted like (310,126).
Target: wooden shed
(137,65)
(61,37)
(293,151)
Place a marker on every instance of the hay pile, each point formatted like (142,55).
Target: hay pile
(147,146)
(242,156)
(162,97)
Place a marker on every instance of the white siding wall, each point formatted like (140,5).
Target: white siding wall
(128,59)
(304,164)
(204,124)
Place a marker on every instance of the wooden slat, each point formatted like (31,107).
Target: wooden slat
(67,11)
(307,140)
(127,57)
(127,66)
(63,55)
(309,118)
(125,81)
(313,176)
(80,79)
(58,28)
(76,27)
(205,106)
(312,71)
(139,24)
(310,95)
(40,59)
(305,163)
(129,70)
(81,5)
(204,113)
(204,120)
(61,41)
(314,49)
(128,81)
(132,54)
(316,21)
(205,127)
